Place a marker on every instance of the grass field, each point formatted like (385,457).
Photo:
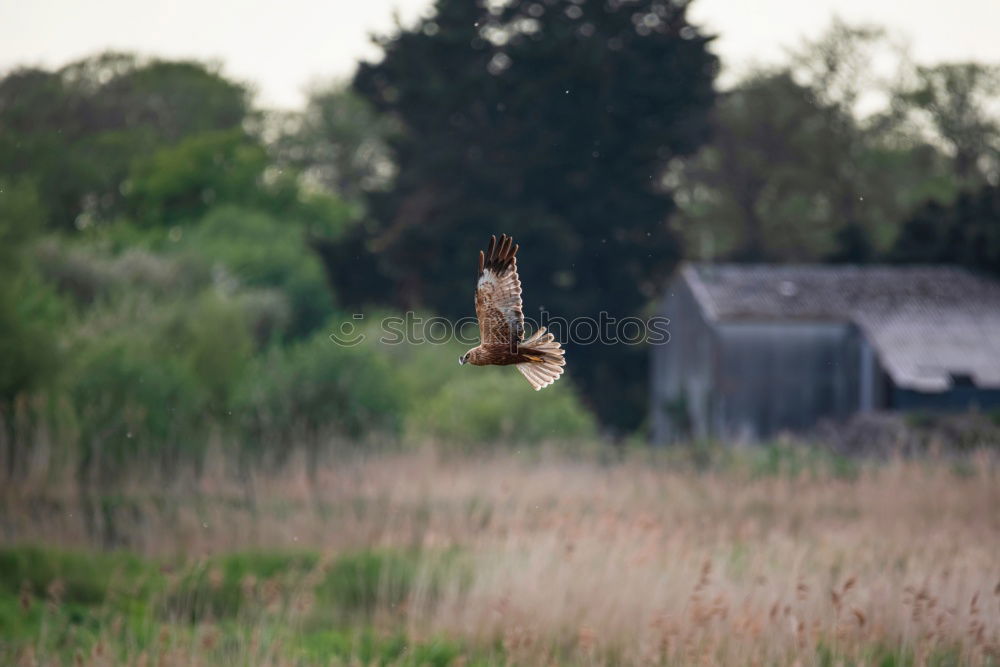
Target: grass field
(771,556)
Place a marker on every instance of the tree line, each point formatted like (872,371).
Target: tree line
(174,256)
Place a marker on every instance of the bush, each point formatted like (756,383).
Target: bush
(497,404)
(211,337)
(466,404)
(132,399)
(181,182)
(30,318)
(153,378)
(267,312)
(318,387)
(87,274)
(260,251)
(30,312)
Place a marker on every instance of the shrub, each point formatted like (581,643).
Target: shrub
(496,404)
(181,182)
(267,312)
(88,274)
(30,317)
(316,386)
(261,251)
(211,336)
(30,312)
(132,399)
(465,404)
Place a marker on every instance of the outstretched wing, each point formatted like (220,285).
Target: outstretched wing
(498,295)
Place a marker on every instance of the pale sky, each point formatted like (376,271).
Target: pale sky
(279,48)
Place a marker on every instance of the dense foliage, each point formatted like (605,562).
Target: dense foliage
(965,232)
(549,121)
(173,259)
(824,159)
(158,282)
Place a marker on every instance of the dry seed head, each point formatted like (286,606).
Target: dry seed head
(210,639)
(304,602)
(25,597)
(56,589)
(248,584)
(27,656)
(272,589)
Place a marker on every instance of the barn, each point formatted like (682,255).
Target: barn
(755,350)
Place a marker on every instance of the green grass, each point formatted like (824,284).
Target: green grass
(65,604)
(231,609)
(75,578)
(302,608)
(369,648)
(767,459)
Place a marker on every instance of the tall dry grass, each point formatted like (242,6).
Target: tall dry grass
(637,561)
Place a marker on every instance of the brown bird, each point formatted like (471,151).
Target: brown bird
(501,321)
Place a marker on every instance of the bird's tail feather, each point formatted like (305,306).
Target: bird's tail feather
(546,359)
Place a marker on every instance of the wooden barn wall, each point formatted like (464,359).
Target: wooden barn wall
(682,370)
(783,376)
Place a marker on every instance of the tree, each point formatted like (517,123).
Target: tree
(338,143)
(960,102)
(838,69)
(966,232)
(551,121)
(78,130)
(796,172)
(182,182)
(754,188)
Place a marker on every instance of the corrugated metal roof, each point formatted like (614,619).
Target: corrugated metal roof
(927,323)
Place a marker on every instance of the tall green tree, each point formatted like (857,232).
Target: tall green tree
(77,131)
(182,182)
(338,143)
(960,102)
(797,172)
(552,121)
(964,232)
(753,192)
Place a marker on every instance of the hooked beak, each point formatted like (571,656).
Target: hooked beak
(461,361)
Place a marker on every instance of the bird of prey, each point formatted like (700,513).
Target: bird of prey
(501,321)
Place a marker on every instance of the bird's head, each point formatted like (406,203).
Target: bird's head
(464,359)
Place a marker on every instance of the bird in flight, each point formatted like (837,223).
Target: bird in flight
(501,321)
